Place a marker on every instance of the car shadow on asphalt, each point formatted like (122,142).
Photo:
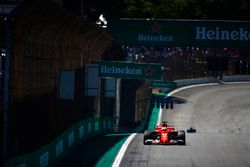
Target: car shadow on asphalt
(175,99)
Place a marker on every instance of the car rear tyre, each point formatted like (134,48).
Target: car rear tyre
(147,135)
(181,137)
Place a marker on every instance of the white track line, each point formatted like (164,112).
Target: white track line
(122,151)
(159,116)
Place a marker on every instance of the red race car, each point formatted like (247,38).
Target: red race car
(164,134)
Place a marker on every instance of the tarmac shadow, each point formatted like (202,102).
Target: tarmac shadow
(91,151)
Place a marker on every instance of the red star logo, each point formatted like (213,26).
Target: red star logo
(149,71)
(156,28)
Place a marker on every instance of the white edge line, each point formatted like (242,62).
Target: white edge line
(159,115)
(121,153)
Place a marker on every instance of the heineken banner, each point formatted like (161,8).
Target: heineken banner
(180,32)
(117,69)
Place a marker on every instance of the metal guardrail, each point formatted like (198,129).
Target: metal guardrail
(62,145)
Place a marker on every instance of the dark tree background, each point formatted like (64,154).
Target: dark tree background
(167,9)
(188,9)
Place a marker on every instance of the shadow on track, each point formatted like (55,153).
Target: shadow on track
(90,152)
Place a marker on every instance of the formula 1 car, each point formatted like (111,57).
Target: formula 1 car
(164,134)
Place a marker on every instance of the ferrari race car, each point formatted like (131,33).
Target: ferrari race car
(164,134)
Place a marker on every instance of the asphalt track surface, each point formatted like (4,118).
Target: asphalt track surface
(221,115)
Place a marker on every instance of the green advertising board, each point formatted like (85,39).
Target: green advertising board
(160,84)
(180,32)
(126,70)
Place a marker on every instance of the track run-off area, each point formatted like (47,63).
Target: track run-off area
(221,115)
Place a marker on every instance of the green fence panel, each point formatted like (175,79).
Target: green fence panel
(63,144)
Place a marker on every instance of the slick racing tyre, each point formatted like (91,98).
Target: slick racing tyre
(181,137)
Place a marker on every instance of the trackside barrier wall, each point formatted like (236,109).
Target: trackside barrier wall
(188,82)
(244,78)
(62,145)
